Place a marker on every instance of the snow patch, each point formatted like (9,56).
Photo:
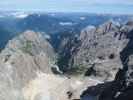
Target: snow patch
(82,18)
(20,14)
(47,36)
(66,23)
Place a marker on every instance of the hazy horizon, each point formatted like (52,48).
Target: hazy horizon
(89,6)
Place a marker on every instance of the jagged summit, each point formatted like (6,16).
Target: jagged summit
(31,42)
(121,88)
(31,35)
(97,48)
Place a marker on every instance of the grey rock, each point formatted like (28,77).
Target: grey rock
(21,60)
(122,86)
(101,47)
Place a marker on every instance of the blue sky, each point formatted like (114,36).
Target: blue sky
(92,6)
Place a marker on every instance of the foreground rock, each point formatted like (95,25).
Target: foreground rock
(26,72)
(22,58)
(27,54)
(122,87)
(54,87)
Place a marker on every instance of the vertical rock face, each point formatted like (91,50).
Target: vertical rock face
(122,87)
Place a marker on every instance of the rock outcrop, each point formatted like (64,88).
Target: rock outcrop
(21,60)
(122,87)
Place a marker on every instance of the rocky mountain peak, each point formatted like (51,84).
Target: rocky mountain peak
(30,51)
(31,35)
(121,87)
(99,50)
(32,43)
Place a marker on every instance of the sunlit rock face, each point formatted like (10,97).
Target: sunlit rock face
(54,87)
(122,86)
(28,53)
(95,51)
(8,88)
(99,50)
(22,58)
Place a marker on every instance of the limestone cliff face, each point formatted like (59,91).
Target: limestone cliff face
(97,51)
(28,53)
(21,60)
(122,87)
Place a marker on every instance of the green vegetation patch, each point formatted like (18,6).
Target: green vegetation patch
(27,48)
(77,70)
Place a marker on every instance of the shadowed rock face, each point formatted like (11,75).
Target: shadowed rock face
(122,87)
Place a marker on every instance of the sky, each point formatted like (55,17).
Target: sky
(91,6)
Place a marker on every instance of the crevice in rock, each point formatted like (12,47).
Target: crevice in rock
(90,71)
(112,56)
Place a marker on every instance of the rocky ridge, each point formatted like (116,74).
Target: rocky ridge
(21,60)
(96,51)
(122,86)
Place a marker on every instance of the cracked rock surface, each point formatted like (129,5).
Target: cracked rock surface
(122,86)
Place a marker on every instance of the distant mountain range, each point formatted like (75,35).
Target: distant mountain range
(13,23)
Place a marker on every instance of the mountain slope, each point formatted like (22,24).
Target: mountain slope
(95,51)
(22,58)
(26,72)
(122,86)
